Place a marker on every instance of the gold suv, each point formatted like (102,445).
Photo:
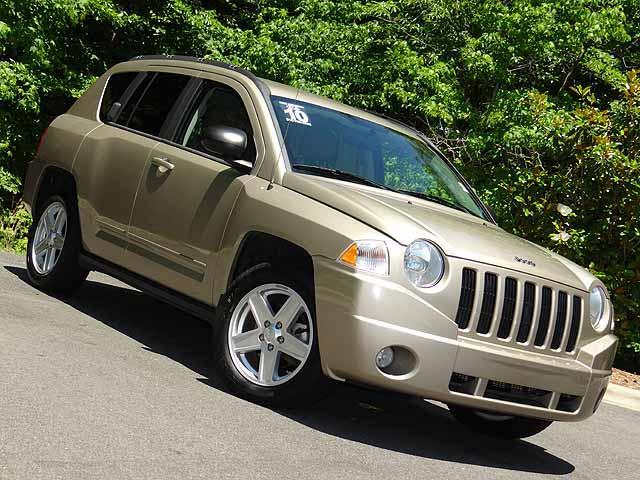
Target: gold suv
(321,241)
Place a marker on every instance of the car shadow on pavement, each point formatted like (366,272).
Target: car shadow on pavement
(394,423)
(416,427)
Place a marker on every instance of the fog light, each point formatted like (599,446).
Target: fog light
(384,358)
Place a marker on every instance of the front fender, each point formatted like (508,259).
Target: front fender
(273,209)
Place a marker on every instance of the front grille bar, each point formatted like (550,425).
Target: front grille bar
(508,307)
(488,303)
(528,306)
(561,320)
(545,317)
(504,308)
(576,315)
(467,296)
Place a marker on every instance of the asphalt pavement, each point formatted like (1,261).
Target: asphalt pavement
(113,384)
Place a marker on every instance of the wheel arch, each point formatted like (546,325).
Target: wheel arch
(259,249)
(54,180)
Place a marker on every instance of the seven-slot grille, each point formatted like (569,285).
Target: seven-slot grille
(498,306)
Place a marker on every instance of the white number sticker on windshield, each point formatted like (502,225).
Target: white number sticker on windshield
(295,113)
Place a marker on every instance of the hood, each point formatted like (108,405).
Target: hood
(460,235)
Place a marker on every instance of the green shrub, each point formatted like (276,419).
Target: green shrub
(14,226)
(537,101)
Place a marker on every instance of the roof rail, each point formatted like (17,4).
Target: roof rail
(215,63)
(186,58)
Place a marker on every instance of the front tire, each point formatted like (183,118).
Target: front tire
(53,247)
(498,425)
(265,340)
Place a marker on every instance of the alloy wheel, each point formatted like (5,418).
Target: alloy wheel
(270,335)
(49,238)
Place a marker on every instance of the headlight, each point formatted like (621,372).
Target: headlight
(423,263)
(597,304)
(368,255)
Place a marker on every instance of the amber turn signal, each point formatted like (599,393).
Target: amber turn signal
(368,255)
(350,255)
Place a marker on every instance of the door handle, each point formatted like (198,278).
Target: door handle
(163,164)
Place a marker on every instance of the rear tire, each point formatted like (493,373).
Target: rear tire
(253,359)
(498,425)
(54,245)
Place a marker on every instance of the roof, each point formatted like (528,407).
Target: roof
(287,91)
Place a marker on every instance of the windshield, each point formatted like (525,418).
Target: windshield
(327,142)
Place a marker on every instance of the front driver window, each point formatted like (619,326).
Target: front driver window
(216,104)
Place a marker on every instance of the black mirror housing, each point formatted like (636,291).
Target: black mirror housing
(225,142)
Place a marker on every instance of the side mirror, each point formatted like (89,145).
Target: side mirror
(227,143)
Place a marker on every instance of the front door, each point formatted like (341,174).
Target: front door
(186,195)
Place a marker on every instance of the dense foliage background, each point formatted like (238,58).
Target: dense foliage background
(537,101)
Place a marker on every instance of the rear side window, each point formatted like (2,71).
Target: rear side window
(116,86)
(148,107)
(134,99)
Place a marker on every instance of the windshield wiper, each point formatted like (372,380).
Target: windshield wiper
(440,200)
(340,175)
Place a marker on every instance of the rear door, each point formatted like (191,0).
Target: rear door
(112,158)
(186,193)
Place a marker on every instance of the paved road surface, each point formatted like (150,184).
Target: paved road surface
(113,384)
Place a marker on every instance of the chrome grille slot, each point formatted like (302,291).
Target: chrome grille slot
(527,312)
(467,296)
(561,320)
(488,303)
(508,307)
(576,315)
(545,317)
(520,312)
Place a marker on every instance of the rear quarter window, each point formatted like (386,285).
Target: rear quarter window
(116,86)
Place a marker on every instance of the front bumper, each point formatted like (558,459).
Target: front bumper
(359,314)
